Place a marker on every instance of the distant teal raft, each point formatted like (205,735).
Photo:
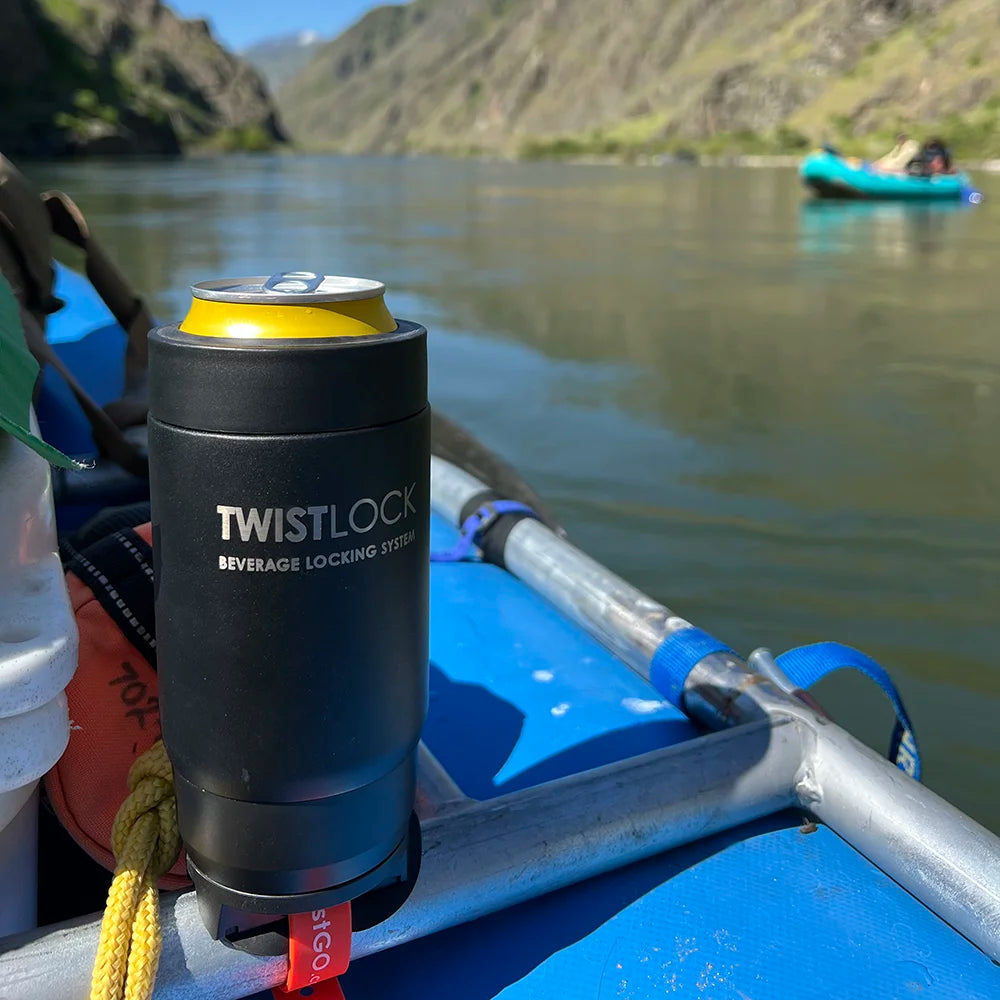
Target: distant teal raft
(832,176)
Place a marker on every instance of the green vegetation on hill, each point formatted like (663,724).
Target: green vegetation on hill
(549,78)
(122,76)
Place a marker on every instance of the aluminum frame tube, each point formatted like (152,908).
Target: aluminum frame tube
(478,860)
(619,615)
(945,859)
(933,850)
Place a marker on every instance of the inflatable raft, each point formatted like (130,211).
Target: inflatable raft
(832,176)
(613,804)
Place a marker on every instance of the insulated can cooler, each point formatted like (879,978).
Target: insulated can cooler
(289,441)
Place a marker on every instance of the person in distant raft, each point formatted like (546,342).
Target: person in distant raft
(934,158)
(899,157)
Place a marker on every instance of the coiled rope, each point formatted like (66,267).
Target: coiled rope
(145,842)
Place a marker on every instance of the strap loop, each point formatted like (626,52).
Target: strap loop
(806,665)
(477,524)
(682,650)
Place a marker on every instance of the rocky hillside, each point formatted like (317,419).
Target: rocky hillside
(538,77)
(279,59)
(122,76)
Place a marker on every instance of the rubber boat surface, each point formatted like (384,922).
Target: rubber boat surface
(831,176)
(584,836)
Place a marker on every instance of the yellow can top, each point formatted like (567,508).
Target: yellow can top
(288,305)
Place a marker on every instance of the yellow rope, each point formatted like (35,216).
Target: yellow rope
(146,843)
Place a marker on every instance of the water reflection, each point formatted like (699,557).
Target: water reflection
(726,330)
(887,229)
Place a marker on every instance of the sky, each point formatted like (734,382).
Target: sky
(239,23)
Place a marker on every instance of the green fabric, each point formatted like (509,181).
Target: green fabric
(18,371)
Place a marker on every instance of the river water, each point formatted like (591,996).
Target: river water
(779,418)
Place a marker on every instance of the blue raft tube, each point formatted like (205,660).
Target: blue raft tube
(830,175)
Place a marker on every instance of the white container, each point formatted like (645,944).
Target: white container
(38,651)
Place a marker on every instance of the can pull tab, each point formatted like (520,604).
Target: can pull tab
(293,282)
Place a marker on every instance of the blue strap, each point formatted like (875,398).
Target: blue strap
(677,656)
(475,525)
(807,664)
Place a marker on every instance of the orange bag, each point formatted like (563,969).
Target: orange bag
(113,697)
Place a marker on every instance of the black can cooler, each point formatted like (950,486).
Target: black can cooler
(289,442)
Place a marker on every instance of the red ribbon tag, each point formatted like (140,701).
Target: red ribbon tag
(319,950)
